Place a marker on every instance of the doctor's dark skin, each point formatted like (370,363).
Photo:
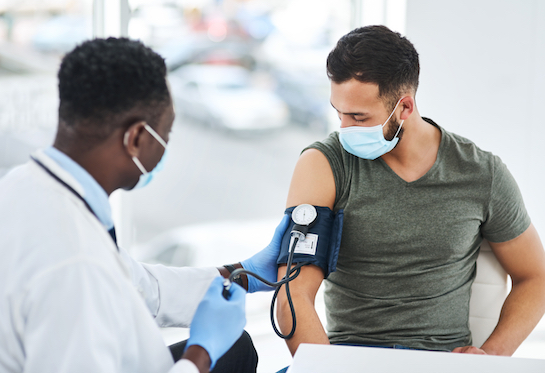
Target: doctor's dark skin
(110,163)
(96,142)
(102,127)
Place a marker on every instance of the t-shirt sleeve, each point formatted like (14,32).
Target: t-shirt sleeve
(332,148)
(506,216)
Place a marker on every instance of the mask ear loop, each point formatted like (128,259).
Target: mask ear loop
(393,111)
(398,129)
(155,135)
(139,165)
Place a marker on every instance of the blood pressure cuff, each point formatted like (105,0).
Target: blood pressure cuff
(322,243)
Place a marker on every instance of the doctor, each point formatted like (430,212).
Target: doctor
(71,300)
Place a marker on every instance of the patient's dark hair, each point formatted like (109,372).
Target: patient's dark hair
(375,54)
(103,79)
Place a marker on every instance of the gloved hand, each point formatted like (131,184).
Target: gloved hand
(218,322)
(264,262)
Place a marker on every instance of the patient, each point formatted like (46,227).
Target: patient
(418,201)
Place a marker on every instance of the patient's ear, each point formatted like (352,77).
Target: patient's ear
(407,105)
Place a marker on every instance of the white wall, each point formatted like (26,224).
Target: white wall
(483,77)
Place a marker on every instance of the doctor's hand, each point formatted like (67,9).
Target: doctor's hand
(264,262)
(218,322)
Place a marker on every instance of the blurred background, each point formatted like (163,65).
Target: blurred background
(250,91)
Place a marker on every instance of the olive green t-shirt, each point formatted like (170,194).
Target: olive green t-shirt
(408,251)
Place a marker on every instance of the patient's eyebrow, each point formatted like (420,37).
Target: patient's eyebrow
(353,114)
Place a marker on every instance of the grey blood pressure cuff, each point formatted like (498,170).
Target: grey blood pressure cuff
(322,243)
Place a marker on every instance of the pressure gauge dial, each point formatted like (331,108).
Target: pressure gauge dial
(304,214)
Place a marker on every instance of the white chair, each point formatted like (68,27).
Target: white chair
(488,293)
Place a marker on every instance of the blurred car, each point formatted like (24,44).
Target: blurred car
(199,49)
(224,97)
(307,96)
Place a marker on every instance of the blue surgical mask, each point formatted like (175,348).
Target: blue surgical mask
(146,176)
(368,142)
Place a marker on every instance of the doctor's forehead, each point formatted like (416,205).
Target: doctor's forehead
(355,96)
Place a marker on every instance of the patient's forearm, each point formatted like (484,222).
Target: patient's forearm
(309,328)
(523,259)
(521,311)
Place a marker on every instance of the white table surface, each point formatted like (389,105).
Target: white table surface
(312,358)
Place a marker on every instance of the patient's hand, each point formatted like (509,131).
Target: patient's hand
(469,350)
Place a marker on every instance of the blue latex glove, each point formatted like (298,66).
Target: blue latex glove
(218,322)
(264,262)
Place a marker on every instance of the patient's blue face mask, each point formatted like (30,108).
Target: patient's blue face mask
(146,176)
(368,142)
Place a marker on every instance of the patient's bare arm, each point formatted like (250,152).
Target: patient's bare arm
(523,259)
(312,183)
(303,290)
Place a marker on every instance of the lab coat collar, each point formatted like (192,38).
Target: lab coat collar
(70,181)
(60,172)
(93,193)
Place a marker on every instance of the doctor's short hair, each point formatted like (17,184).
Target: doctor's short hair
(376,54)
(103,80)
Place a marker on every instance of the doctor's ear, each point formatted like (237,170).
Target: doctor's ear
(132,138)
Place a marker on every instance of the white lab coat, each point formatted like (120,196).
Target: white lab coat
(70,302)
